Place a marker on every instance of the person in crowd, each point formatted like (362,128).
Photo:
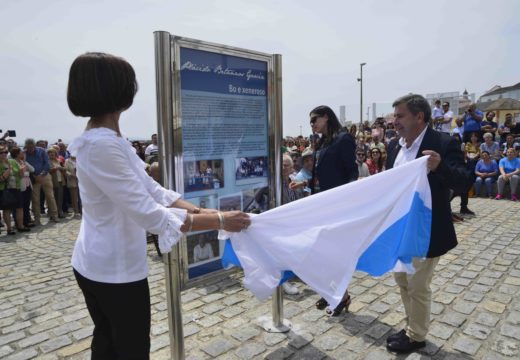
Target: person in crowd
(437,116)
(447,171)
(63,152)
(376,143)
(506,128)
(26,170)
(72,184)
(472,155)
(472,148)
(10,181)
(289,194)
(334,165)
(378,131)
(489,125)
(486,171)
(42,144)
(390,133)
(38,158)
(121,202)
(490,146)
(152,149)
(304,176)
(459,128)
(353,130)
(375,162)
(447,118)
(509,168)
(297,160)
(362,166)
(140,151)
(361,143)
(472,119)
(58,174)
(509,144)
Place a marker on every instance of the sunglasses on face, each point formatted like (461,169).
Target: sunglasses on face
(3,152)
(360,154)
(314,119)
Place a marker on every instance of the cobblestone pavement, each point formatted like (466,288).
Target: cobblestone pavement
(476,309)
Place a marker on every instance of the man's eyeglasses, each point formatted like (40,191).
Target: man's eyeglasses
(360,154)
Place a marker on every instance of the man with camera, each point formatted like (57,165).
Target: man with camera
(472,119)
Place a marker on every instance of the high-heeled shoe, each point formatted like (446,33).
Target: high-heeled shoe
(24,229)
(338,309)
(11,232)
(321,304)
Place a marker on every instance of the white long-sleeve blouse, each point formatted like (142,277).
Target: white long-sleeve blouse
(120,203)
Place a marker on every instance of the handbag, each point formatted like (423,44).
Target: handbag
(7,200)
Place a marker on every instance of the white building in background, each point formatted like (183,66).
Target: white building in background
(342,115)
(498,92)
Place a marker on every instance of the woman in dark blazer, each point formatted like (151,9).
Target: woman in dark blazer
(334,165)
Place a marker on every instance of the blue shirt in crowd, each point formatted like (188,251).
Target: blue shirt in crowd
(509,165)
(482,167)
(470,123)
(39,160)
(492,150)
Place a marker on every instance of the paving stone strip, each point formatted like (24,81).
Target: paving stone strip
(475,313)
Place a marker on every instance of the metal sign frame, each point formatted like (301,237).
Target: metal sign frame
(169,123)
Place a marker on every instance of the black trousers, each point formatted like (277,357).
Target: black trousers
(27,197)
(121,316)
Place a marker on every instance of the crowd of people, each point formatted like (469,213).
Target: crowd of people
(491,151)
(40,178)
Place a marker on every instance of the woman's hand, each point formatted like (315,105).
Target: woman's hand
(235,221)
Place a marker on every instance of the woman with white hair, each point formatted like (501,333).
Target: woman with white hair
(490,146)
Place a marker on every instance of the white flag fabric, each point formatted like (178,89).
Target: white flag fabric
(369,225)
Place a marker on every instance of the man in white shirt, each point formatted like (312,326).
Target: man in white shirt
(437,115)
(447,118)
(203,250)
(151,149)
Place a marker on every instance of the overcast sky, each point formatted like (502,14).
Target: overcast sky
(408,45)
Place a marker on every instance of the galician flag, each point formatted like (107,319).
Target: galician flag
(374,225)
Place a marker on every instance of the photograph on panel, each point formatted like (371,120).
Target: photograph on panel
(203,247)
(203,175)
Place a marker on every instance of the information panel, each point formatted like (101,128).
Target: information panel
(225,157)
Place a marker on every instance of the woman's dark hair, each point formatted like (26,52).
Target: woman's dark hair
(15,151)
(100,84)
(380,162)
(333,125)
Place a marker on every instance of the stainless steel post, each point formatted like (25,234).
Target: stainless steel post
(172,264)
(278,135)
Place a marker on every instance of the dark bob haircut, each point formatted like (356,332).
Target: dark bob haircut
(100,84)
(415,104)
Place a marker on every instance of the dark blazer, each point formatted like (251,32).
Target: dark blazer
(451,174)
(336,164)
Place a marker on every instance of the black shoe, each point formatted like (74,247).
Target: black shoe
(396,336)
(466,211)
(342,305)
(404,345)
(321,304)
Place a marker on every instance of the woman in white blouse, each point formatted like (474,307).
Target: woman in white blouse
(120,203)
